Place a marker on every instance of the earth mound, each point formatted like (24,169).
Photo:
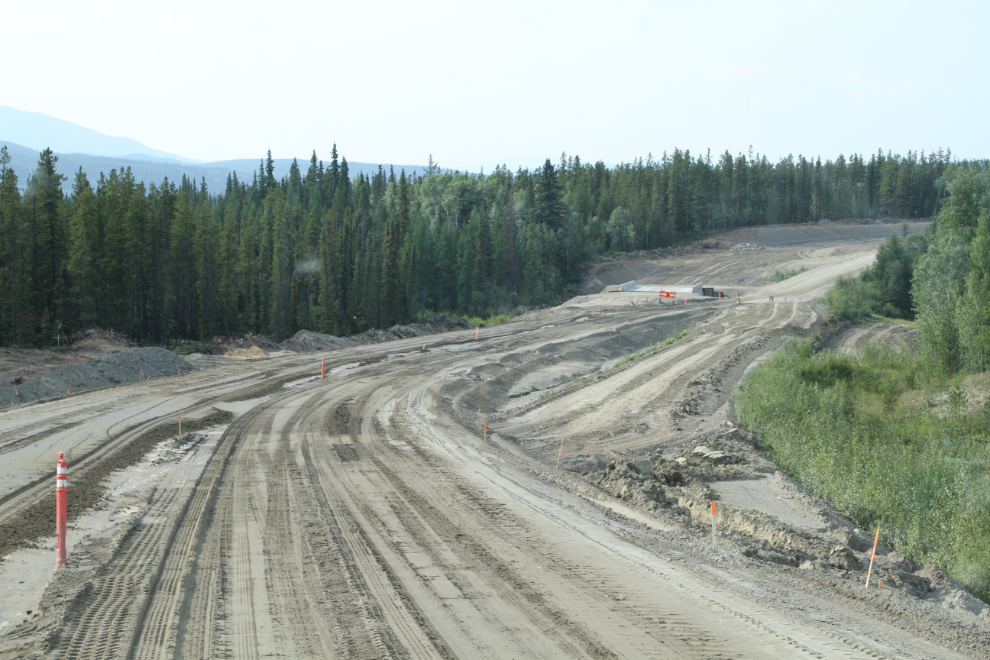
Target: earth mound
(112,368)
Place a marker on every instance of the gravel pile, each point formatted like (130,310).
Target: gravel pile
(306,341)
(112,368)
(739,247)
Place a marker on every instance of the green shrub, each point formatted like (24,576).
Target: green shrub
(494,319)
(854,299)
(919,474)
(781,275)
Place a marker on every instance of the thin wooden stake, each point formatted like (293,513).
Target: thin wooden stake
(560,453)
(873,555)
(714,533)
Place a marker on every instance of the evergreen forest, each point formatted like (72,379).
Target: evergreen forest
(325,251)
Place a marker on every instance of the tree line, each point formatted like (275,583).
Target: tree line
(322,250)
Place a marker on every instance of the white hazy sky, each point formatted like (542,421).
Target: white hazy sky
(475,82)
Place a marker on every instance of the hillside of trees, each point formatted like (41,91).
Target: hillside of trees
(322,250)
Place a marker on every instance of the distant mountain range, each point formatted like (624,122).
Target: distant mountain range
(26,134)
(39,131)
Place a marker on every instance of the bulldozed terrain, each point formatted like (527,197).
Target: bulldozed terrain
(543,490)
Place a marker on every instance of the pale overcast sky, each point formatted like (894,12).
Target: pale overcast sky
(475,82)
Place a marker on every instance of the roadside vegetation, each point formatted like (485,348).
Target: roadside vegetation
(781,275)
(886,439)
(497,318)
(892,436)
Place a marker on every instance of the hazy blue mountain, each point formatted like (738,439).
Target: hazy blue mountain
(26,134)
(24,160)
(39,131)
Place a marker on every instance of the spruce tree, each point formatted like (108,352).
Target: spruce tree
(973,310)
(50,229)
(549,206)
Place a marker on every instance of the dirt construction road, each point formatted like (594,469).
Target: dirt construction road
(365,516)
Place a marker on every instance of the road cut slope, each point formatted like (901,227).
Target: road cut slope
(370,515)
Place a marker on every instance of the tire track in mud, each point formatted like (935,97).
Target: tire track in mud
(158,621)
(401,530)
(311,572)
(421,521)
(281,538)
(41,435)
(326,466)
(96,625)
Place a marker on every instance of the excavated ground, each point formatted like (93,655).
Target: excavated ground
(372,514)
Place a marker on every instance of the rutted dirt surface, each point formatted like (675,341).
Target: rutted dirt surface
(371,515)
(38,520)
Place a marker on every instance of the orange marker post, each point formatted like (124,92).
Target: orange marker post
(873,555)
(323,368)
(61,498)
(486,434)
(432,399)
(714,533)
(560,453)
(476,333)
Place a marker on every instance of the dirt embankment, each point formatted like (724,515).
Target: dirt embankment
(112,368)
(306,341)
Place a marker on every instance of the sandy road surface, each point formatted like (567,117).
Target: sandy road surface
(364,517)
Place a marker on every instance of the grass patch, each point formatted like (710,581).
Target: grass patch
(677,336)
(781,275)
(494,319)
(865,436)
